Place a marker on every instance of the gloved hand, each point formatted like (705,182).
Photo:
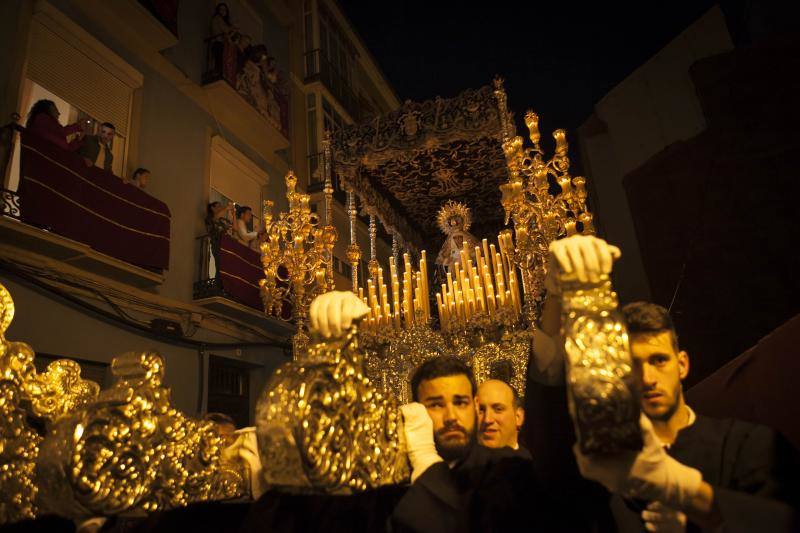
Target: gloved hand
(584,256)
(245,449)
(658,517)
(649,474)
(418,430)
(333,313)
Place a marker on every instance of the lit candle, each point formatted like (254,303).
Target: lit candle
(490,295)
(442,315)
(423,268)
(486,253)
(479,293)
(450,282)
(513,294)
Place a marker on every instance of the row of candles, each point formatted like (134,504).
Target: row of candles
(483,282)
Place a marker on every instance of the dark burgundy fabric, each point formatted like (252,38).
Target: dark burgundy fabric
(759,385)
(240,271)
(92,206)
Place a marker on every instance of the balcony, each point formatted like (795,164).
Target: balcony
(228,282)
(239,82)
(320,69)
(86,217)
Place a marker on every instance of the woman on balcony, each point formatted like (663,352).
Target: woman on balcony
(217,224)
(244,215)
(222,32)
(43,121)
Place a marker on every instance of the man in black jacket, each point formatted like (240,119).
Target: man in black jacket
(457,484)
(693,471)
(96,149)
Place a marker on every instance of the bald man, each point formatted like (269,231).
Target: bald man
(500,414)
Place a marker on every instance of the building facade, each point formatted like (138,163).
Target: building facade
(215,117)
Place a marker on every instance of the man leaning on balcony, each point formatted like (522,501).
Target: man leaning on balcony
(96,149)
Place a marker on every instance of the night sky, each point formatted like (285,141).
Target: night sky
(558,58)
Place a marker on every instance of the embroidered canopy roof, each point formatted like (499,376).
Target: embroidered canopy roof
(404,165)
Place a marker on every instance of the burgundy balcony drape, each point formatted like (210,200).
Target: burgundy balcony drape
(60,193)
(240,271)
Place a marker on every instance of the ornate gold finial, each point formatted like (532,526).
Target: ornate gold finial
(131,450)
(296,259)
(454,216)
(600,383)
(323,427)
(47,396)
(19,444)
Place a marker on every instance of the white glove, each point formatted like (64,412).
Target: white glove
(649,474)
(333,313)
(584,256)
(658,517)
(245,449)
(418,430)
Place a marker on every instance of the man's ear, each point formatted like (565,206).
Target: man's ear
(519,415)
(683,364)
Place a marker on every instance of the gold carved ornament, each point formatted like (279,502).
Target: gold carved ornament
(296,257)
(323,427)
(25,393)
(545,203)
(601,391)
(122,450)
(130,451)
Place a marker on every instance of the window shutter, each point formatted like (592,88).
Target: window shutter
(64,70)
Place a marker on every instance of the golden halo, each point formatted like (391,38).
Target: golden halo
(452,210)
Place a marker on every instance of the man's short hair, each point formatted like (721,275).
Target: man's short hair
(108,125)
(139,171)
(242,209)
(516,398)
(440,367)
(219,418)
(648,318)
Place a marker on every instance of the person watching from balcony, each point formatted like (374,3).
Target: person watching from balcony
(139,179)
(221,31)
(217,224)
(43,121)
(96,149)
(244,216)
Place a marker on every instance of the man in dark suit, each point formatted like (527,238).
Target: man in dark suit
(694,471)
(458,484)
(96,149)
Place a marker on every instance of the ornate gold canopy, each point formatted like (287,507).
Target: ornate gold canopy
(404,165)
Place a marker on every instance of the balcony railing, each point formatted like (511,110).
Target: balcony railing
(319,68)
(248,71)
(58,193)
(229,269)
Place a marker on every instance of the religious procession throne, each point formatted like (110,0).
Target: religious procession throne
(328,421)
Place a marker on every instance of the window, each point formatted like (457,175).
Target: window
(85,79)
(229,389)
(314,170)
(235,178)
